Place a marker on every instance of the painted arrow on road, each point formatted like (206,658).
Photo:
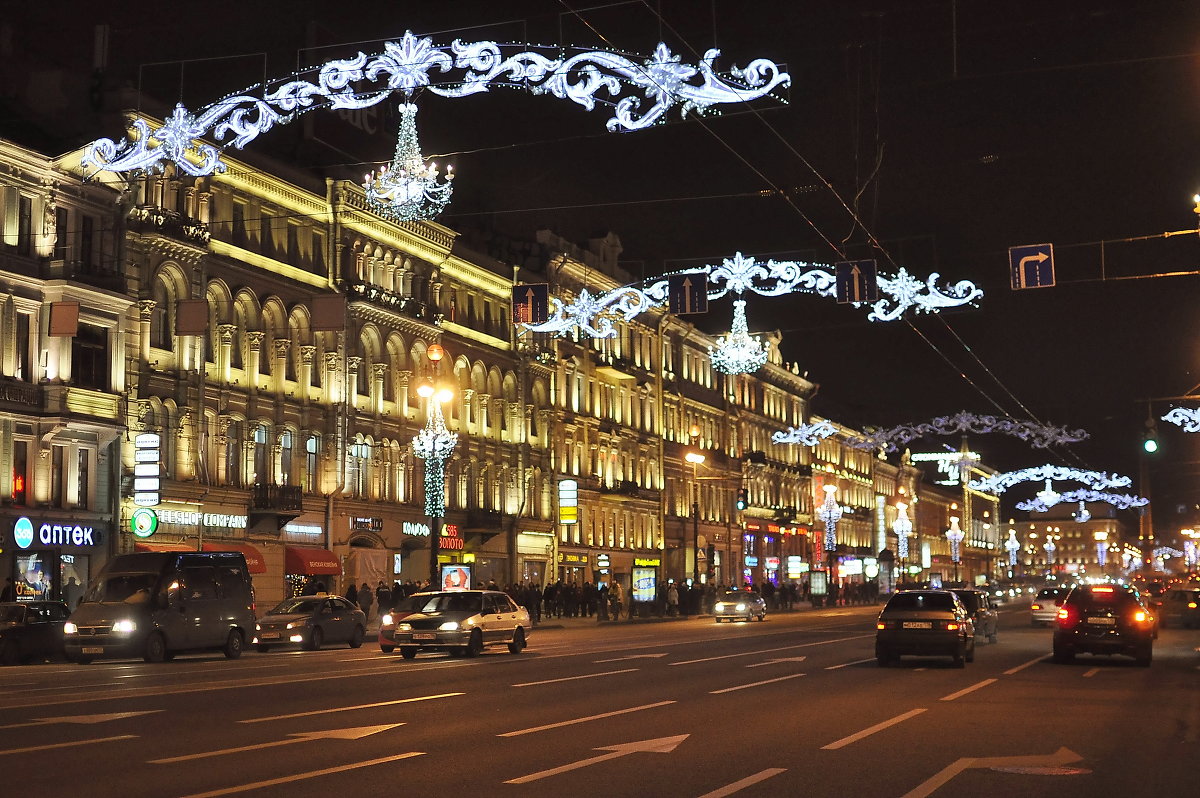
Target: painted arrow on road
(298,737)
(1029,764)
(775,660)
(662,745)
(632,656)
(80,719)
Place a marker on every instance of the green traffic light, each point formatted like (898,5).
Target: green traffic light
(1151,445)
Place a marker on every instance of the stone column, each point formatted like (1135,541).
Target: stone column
(280,348)
(225,358)
(308,354)
(403,377)
(185,447)
(254,341)
(353,364)
(145,315)
(330,383)
(378,376)
(222,444)
(468,410)
(483,421)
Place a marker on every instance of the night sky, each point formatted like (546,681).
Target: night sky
(955,130)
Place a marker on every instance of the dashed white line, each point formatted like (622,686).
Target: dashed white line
(853,738)
(966,690)
(769,650)
(573,678)
(848,664)
(755,684)
(749,781)
(1019,668)
(560,724)
(346,709)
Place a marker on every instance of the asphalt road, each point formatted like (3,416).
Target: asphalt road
(794,706)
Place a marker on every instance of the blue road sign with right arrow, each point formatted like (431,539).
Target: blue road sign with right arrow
(856,281)
(1031,266)
(687,293)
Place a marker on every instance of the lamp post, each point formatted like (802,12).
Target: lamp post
(1101,548)
(1013,546)
(902,526)
(434,444)
(1049,547)
(695,458)
(830,512)
(955,536)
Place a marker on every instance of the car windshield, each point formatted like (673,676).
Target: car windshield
(129,588)
(301,605)
(410,604)
(452,602)
(12,613)
(1099,598)
(921,601)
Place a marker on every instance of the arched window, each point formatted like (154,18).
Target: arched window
(285,458)
(160,317)
(312,471)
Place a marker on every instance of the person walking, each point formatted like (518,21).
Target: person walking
(672,599)
(352,593)
(383,598)
(616,595)
(365,599)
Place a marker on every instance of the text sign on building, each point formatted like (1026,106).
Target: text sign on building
(647,562)
(687,293)
(414,528)
(51,534)
(186,518)
(1031,266)
(568,501)
(451,539)
(147,471)
(361,524)
(531,303)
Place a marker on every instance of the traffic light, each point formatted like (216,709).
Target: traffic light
(743,499)
(1150,442)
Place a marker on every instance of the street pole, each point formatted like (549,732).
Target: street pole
(696,541)
(433,444)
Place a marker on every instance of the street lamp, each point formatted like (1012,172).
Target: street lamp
(955,536)
(1101,548)
(830,512)
(695,458)
(902,526)
(1049,547)
(1013,545)
(434,444)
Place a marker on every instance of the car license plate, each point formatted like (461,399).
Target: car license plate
(93,649)
(424,636)
(918,625)
(1102,621)
(270,635)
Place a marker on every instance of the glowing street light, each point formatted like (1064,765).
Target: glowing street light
(902,526)
(955,536)
(434,444)
(696,458)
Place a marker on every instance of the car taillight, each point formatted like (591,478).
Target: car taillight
(1191,605)
(880,625)
(1139,617)
(1066,617)
(1063,613)
(952,626)
(1035,606)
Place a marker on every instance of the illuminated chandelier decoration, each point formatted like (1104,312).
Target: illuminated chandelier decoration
(460,69)
(998,483)
(1037,435)
(902,526)
(1012,545)
(1189,553)
(955,535)
(1102,549)
(830,512)
(805,434)
(1082,515)
(1050,549)
(434,444)
(737,351)
(408,190)
(593,315)
(1122,501)
(1186,417)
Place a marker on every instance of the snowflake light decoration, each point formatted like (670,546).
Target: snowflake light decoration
(434,444)
(1038,435)
(1012,545)
(805,434)
(738,352)
(1122,501)
(1186,417)
(998,483)
(830,512)
(902,526)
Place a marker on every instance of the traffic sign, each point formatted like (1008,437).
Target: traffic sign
(687,293)
(1031,266)
(531,303)
(856,281)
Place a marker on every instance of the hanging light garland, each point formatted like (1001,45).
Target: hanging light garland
(902,526)
(1187,418)
(1122,501)
(737,351)
(830,512)
(1012,545)
(955,535)
(1037,435)
(805,434)
(408,189)
(434,444)
(998,483)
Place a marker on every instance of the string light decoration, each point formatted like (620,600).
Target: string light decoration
(1101,548)
(805,434)
(955,535)
(594,315)
(738,352)
(589,79)
(1050,549)
(998,483)
(409,189)
(1012,545)
(1082,515)
(434,444)
(1188,418)
(830,512)
(1037,435)
(1122,501)
(902,526)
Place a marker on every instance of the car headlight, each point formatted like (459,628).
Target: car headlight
(449,626)
(386,620)
(741,608)
(70,628)
(297,624)
(258,627)
(719,606)
(404,627)
(124,627)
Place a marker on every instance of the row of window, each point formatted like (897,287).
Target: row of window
(70,476)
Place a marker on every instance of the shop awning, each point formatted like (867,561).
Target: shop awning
(140,546)
(255,562)
(310,561)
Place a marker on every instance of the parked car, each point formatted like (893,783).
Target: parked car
(311,621)
(982,609)
(31,630)
(1044,609)
(924,623)
(463,622)
(735,605)
(155,604)
(1104,619)
(1181,607)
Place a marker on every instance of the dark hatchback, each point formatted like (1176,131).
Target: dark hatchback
(31,631)
(1104,619)
(924,623)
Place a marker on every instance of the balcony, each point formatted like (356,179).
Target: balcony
(389,300)
(171,224)
(284,502)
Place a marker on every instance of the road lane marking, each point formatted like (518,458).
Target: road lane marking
(776,661)
(1091,673)
(1061,757)
(662,745)
(749,781)
(298,737)
(573,678)
(632,656)
(848,664)
(918,670)
(67,745)
(1020,668)
(755,684)
(560,724)
(309,775)
(966,690)
(768,650)
(853,738)
(347,709)
(81,719)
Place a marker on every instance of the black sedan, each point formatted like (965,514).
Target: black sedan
(924,623)
(31,630)
(311,621)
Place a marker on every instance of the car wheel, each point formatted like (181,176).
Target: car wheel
(315,639)
(356,639)
(408,652)
(518,641)
(233,645)
(883,657)
(475,644)
(262,649)
(155,649)
(1144,656)
(1063,653)
(386,649)
(718,619)
(10,653)
(762,616)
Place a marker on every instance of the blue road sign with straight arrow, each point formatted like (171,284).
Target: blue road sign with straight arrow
(856,281)
(1031,266)
(531,303)
(687,293)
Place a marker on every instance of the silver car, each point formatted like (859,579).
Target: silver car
(1044,609)
(311,621)
(462,622)
(739,605)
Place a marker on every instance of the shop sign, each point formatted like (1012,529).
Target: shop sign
(850,567)
(568,501)
(303,529)
(753,527)
(48,534)
(603,561)
(645,562)
(143,522)
(772,563)
(146,469)
(451,540)
(360,524)
(217,520)
(572,559)
(751,562)
(413,528)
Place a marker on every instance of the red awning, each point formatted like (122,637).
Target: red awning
(255,562)
(139,546)
(311,562)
